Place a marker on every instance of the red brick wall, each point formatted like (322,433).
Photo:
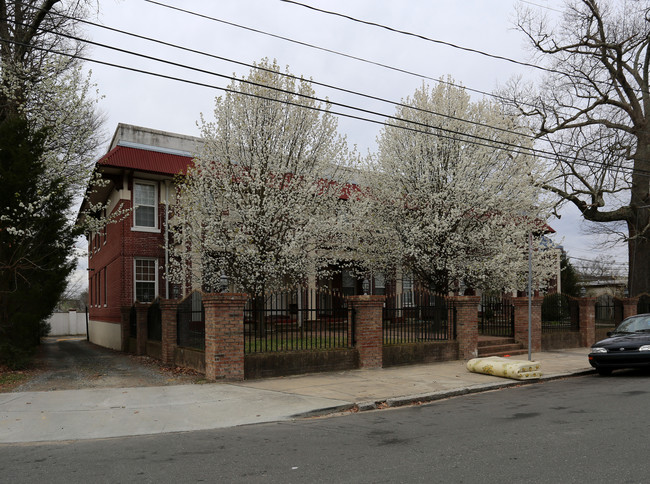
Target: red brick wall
(630,306)
(368,329)
(587,320)
(224,336)
(117,256)
(141,345)
(466,325)
(521,322)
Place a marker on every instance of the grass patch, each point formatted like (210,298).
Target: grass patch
(282,343)
(10,379)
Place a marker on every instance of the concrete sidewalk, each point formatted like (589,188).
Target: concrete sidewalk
(117,412)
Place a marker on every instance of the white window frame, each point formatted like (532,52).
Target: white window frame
(135,281)
(408,283)
(145,228)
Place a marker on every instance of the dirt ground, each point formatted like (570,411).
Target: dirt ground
(72,363)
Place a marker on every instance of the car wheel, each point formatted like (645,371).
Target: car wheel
(604,371)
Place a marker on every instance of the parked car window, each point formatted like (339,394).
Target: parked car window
(631,325)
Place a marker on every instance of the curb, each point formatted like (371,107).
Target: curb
(395,402)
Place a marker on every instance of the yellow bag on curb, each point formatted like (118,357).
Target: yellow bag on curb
(505,367)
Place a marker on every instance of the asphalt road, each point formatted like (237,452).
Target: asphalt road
(584,429)
(72,363)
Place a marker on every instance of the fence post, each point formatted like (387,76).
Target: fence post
(168,308)
(141,318)
(224,336)
(630,305)
(368,329)
(466,325)
(587,320)
(521,322)
(125,321)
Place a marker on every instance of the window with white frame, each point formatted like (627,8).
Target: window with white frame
(145,280)
(407,289)
(380,285)
(145,195)
(349,283)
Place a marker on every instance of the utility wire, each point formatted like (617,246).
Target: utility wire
(283,74)
(422,37)
(484,141)
(422,76)
(540,153)
(541,6)
(342,54)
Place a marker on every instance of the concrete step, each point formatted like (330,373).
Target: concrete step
(494,341)
(501,350)
(521,351)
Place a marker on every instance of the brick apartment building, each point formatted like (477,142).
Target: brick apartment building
(126,260)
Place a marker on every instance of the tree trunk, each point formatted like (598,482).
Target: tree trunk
(639,256)
(639,224)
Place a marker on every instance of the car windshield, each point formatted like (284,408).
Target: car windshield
(635,324)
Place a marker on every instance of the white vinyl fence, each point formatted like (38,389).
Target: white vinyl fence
(68,323)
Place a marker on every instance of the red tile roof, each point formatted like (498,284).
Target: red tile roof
(146,160)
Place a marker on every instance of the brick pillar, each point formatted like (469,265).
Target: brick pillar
(587,320)
(141,318)
(466,325)
(521,322)
(368,329)
(168,309)
(125,320)
(224,336)
(630,305)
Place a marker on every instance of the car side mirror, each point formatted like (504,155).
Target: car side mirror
(609,333)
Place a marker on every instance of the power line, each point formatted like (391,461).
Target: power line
(484,141)
(541,6)
(506,146)
(331,51)
(422,37)
(517,148)
(386,66)
(291,76)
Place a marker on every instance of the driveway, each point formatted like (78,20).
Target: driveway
(72,363)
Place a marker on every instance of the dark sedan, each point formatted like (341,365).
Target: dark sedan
(628,346)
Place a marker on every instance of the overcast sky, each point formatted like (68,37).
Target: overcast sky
(170,105)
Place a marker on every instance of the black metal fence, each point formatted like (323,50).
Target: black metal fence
(302,319)
(605,311)
(133,323)
(497,316)
(416,316)
(154,322)
(560,313)
(190,322)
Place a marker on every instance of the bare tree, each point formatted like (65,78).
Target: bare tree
(591,111)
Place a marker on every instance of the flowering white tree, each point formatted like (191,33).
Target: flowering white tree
(450,199)
(42,81)
(49,131)
(261,198)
